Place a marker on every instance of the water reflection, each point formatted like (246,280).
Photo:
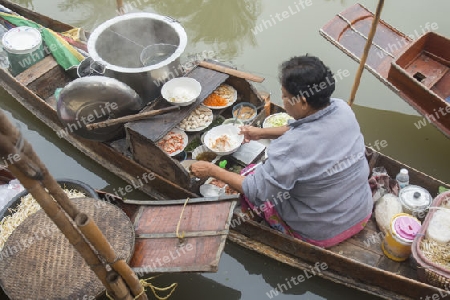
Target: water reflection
(223,26)
(25,3)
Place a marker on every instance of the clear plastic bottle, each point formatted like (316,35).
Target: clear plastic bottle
(402,178)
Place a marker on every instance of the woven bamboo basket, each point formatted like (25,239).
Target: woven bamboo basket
(427,270)
(39,263)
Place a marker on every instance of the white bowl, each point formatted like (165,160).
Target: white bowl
(276,120)
(231,132)
(181,91)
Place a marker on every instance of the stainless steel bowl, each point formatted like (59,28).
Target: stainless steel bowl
(94,99)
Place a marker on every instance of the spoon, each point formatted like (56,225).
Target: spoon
(237,115)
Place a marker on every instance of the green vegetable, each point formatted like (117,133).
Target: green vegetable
(278,120)
(442,189)
(193,144)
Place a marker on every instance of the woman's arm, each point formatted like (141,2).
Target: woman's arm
(255,133)
(205,169)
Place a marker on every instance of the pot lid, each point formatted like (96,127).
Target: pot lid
(415,197)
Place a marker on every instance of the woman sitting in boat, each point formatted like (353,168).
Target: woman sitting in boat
(314,184)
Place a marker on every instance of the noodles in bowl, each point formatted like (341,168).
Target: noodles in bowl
(224,139)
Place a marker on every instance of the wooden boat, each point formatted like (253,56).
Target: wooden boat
(358,262)
(415,67)
(34,89)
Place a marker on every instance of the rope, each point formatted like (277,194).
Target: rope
(181,237)
(145,283)
(154,289)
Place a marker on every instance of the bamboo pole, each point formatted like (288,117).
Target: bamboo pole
(120,7)
(372,32)
(94,235)
(131,118)
(230,71)
(121,292)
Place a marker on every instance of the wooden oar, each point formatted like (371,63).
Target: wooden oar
(230,71)
(372,32)
(137,117)
(182,201)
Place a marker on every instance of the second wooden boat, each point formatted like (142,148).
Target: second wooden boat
(415,67)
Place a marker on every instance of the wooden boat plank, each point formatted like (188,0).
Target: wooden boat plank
(199,254)
(431,69)
(157,127)
(357,253)
(388,41)
(159,162)
(195,217)
(40,68)
(337,262)
(297,262)
(34,16)
(369,239)
(388,264)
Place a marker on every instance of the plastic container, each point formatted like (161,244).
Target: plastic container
(415,200)
(397,242)
(402,178)
(24,47)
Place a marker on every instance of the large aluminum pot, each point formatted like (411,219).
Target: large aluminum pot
(119,43)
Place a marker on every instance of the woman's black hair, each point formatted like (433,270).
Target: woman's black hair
(308,77)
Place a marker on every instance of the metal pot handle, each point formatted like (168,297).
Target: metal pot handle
(170,19)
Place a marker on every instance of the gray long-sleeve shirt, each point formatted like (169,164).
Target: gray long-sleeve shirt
(316,174)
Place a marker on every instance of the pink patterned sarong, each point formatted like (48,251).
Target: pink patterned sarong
(268,212)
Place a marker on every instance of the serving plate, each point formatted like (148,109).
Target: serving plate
(206,111)
(175,131)
(269,119)
(230,101)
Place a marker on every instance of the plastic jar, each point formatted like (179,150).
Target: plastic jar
(397,242)
(24,47)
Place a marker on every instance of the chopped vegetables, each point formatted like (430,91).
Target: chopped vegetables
(26,208)
(277,120)
(223,96)
(215,100)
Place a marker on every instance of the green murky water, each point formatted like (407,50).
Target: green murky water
(250,35)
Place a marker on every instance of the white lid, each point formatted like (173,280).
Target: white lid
(22,40)
(404,171)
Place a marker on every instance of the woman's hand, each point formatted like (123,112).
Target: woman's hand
(250,133)
(202,169)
